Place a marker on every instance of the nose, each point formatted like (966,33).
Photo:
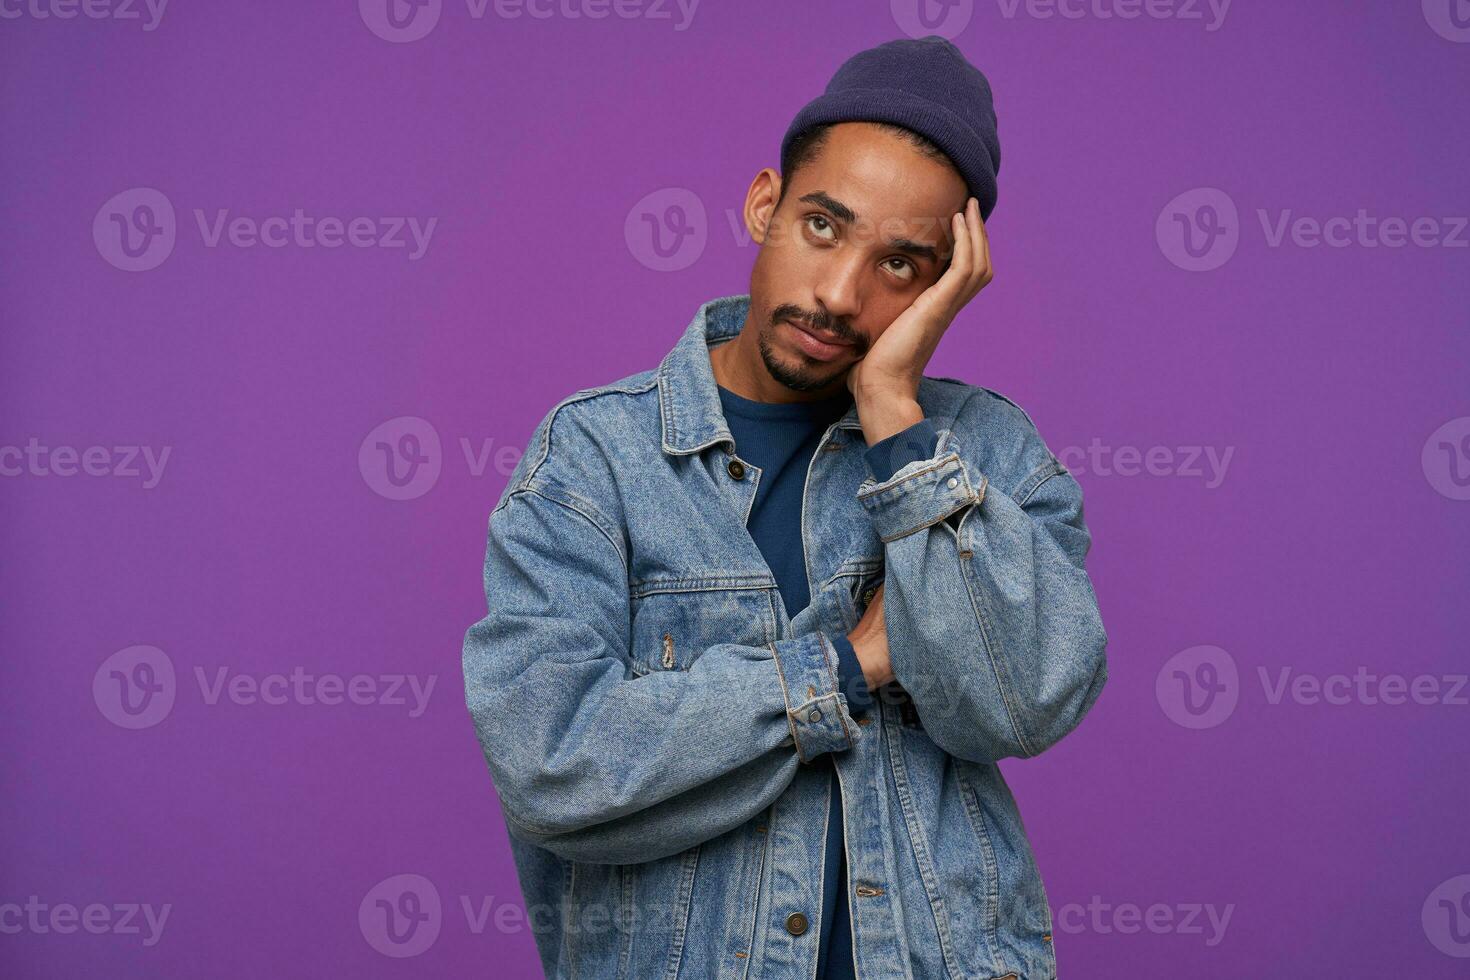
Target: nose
(839,289)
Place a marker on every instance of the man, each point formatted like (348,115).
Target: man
(723,746)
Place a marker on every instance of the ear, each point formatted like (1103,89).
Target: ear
(760,207)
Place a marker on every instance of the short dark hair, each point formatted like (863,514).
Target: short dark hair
(805,146)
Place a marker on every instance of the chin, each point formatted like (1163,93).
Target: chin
(791,366)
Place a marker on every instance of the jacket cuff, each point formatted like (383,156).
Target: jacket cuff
(807,666)
(887,456)
(919,494)
(850,679)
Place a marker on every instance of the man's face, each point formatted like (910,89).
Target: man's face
(862,231)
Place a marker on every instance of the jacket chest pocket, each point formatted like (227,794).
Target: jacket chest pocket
(673,625)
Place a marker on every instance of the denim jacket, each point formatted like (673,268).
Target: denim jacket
(649,709)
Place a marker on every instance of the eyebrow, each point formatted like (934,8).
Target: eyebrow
(845,214)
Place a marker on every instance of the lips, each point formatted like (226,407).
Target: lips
(816,344)
(832,339)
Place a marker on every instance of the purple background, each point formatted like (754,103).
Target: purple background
(265,549)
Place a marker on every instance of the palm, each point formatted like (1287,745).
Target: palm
(896,361)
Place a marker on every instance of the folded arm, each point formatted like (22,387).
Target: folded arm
(597,765)
(993,625)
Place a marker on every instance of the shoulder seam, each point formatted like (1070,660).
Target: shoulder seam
(582,394)
(576,505)
(1040,475)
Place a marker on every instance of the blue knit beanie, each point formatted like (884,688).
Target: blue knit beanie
(925,85)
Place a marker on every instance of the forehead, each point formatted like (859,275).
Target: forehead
(883,177)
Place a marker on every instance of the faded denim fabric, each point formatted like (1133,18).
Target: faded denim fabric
(647,705)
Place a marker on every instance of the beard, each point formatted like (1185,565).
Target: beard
(797,377)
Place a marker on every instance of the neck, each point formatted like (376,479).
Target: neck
(738,366)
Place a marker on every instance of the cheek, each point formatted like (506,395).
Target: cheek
(773,265)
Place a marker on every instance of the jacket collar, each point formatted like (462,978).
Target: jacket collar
(689,396)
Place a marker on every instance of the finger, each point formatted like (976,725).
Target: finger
(972,253)
(982,251)
(977,265)
(972,231)
(958,273)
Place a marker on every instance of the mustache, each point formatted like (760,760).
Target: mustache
(817,321)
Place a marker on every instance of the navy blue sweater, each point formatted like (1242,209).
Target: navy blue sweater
(781,438)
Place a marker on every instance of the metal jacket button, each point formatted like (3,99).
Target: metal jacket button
(796,923)
(736,468)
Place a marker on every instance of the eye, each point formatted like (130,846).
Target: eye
(826,226)
(905,270)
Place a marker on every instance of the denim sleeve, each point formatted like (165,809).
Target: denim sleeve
(887,456)
(595,764)
(993,623)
